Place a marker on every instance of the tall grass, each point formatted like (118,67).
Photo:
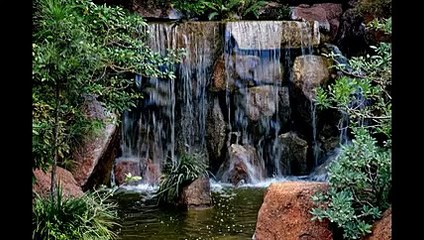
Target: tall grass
(88,217)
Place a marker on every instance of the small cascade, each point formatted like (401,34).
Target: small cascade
(315,147)
(253,81)
(201,40)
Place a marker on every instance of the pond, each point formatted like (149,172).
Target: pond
(233,216)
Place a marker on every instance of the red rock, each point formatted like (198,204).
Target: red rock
(284,214)
(382,229)
(66,181)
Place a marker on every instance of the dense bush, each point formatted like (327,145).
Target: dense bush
(87,218)
(360,178)
(188,168)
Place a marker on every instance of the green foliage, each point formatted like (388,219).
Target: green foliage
(189,168)
(364,91)
(191,8)
(87,217)
(360,181)
(376,8)
(83,49)
(219,9)
(360,178)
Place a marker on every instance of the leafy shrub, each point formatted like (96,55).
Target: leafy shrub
(360,181)
(189,168)
(360,178)
(377,8)
(88,217)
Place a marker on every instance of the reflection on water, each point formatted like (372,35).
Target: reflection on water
(232,217)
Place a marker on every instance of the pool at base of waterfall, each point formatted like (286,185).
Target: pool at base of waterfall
(233,215)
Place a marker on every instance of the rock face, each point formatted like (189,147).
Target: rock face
(243,165)
(327,15)
(67,182)
(261,102)
(197,194)
(284,214)
(309,72)
(382,229)
(294,152)
(94,149)
(123,167)
(219,76)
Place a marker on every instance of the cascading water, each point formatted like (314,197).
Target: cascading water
(253,81)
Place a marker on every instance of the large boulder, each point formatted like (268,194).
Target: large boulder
(326,14)
(293,154)
(151,172)
(382,229)
(242,166)
(95,148)
(285,213)
(124,167)
(310,72)
(197,194)
(65,180)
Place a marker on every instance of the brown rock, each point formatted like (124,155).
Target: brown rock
(382,229)
(125,166)
(309,72)
(65,179)
(284,214)
(93,149)
(197,194)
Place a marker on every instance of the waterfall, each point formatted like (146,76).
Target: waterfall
(251,99)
